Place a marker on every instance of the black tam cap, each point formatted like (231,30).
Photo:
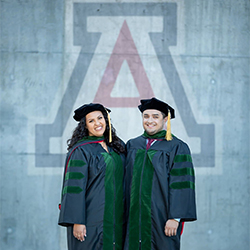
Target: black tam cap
(154,103)
(88,108)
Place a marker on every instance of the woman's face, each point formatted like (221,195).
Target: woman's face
(95,123)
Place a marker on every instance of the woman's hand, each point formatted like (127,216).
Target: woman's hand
(171,227)
(79,231)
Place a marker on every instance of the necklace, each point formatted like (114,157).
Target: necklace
(103,144)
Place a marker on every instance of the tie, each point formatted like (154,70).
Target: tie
(149,143)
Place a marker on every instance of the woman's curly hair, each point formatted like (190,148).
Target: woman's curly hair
(81,132)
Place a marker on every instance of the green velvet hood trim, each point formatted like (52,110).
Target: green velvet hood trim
(160,134)
(92,138)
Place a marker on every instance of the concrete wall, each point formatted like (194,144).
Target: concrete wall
(57,55)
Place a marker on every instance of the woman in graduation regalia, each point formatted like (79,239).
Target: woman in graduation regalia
(92,193)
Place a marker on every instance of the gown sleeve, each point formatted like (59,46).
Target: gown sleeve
(182,185)
(73,208)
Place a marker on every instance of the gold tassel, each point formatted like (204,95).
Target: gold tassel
(110,130)
(168,133)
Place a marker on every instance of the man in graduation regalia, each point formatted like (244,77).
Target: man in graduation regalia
(160,183)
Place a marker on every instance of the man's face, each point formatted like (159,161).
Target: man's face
(152,121)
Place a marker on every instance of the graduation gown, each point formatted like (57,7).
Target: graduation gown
(160,185)
(92,195)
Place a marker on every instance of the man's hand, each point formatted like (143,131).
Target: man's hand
(79,231)
(171,227)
